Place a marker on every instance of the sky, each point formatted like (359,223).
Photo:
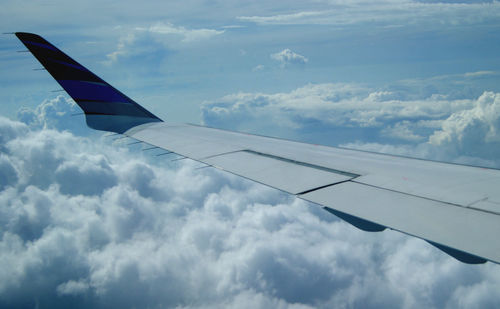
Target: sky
(88,221)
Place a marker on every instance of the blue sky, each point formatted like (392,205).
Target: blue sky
(90,223)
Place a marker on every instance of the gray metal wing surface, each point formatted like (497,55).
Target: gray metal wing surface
(455,207)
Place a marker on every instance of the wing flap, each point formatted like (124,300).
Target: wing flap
(453,226)
(286,175)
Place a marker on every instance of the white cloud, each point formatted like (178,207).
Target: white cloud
(72,288)
(163,235)
(10,130)
(333,104)
(122,48)
(8,177)
(144,40)
(473,131)
(283,18)
(259,67)
(403,130)
(386,13)
(459,130)
(59,113)
(287,57)
(188,35)
(479,73)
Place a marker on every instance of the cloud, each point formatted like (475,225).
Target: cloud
(473,131)
(60,113)
(282,18)
(257,68)
(433,127)
(188,35)
(404,130)
(9,173)
(162,36)
(385,13)
(340,105)
(287,57)
(10,130)
(480,73)
(89,224)
(72,288)
(122,48)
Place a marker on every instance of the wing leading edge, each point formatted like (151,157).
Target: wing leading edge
(454,207)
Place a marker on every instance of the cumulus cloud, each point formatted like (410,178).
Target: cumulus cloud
(335,104)
(287,57)
(434,127)
(404,130)
(346,105)
(473,131)
(60,113)
(10,130)
(88,224)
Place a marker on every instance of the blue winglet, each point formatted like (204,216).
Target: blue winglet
(105,107)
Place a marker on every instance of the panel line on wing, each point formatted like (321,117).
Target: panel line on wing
(322,187)
(318,167)
(426,198)
(327,169)
(220,154)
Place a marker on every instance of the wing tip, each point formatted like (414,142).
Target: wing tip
(105,107)
(28,35)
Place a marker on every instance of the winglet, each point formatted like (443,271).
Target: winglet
(105,107)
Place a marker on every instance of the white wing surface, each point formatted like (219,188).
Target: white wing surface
(454,207)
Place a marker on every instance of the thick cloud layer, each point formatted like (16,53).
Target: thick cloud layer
(432,126)
(475,131)
(89,224)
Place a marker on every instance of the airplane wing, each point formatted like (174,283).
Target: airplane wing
(454,207)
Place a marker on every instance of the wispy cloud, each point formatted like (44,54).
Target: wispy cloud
(386,13)
(121,48)
(258,67)
(480,73)
(300,17)
(132,41)
(188,35)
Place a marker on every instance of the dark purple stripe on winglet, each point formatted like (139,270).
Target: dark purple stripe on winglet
(83,90)
(41,45)
(79,67)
